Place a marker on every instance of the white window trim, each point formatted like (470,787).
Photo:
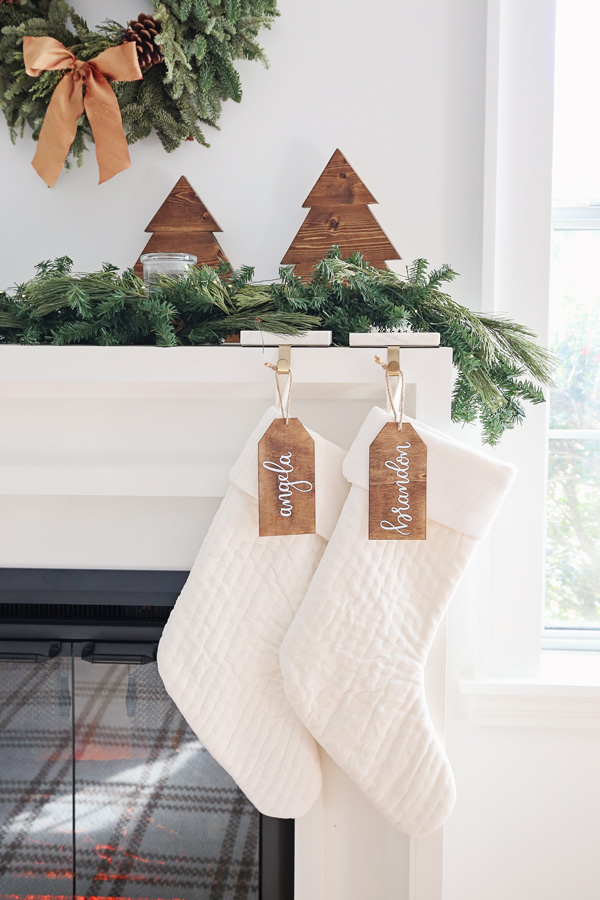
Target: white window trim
(578,639)
(511,676)
(515,280)
(577,217)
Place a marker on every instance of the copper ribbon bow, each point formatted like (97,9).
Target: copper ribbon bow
(68,103)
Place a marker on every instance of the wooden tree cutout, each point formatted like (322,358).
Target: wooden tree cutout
(184,225)
(339,214)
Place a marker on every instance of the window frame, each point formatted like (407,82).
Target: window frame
(573,217)
(516,248)
(518,220)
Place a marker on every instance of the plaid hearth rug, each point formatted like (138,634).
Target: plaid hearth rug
(152,814)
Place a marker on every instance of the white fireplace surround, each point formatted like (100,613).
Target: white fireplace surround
(117,457)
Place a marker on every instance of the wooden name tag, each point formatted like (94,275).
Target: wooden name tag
(286,480)
(397,485)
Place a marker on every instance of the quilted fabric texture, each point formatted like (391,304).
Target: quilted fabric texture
(218,656)
(353,659)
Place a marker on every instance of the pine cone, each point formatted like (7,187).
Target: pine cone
(143,30)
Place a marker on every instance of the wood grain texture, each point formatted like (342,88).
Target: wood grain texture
(338,183)
(339,215)
(183,210)
(183,225)
(397,485)
(352,228)
(286,480)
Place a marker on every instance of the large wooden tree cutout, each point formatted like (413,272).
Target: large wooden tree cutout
(184,225)
(339,214)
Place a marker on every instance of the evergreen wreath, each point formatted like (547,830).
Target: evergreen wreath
(495,358)
(197,41)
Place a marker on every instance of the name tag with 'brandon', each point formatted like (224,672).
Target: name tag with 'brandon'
(397,485)
(286,480)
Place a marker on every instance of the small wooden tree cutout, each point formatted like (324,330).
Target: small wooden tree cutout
(339,214)
(184,225)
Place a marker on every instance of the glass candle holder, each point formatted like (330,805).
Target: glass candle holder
(157,264)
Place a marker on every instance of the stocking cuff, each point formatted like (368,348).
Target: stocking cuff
(465,487)
(331,488)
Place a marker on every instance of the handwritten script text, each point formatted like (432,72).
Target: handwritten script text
(400,466)
(283,469)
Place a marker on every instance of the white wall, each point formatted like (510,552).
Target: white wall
(399,87)
(525,825)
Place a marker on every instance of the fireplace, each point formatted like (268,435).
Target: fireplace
(104,789)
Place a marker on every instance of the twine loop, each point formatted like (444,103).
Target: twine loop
(285,407)
(398,414)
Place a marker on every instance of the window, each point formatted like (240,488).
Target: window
(572,606)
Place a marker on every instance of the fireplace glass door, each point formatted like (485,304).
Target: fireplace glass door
(106,792)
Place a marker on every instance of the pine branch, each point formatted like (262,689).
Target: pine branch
(492,354)
(499,365)
(200,42)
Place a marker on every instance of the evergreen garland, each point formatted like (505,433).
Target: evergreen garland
(492,354)
(108,308)
(199,40)
(499,365)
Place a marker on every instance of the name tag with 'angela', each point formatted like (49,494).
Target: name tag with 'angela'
(397,485)
(286,480)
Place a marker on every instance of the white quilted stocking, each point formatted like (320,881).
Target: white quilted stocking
(354,657)
(218,656)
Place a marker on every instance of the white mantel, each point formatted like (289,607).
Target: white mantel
(113,421)
(115,457)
